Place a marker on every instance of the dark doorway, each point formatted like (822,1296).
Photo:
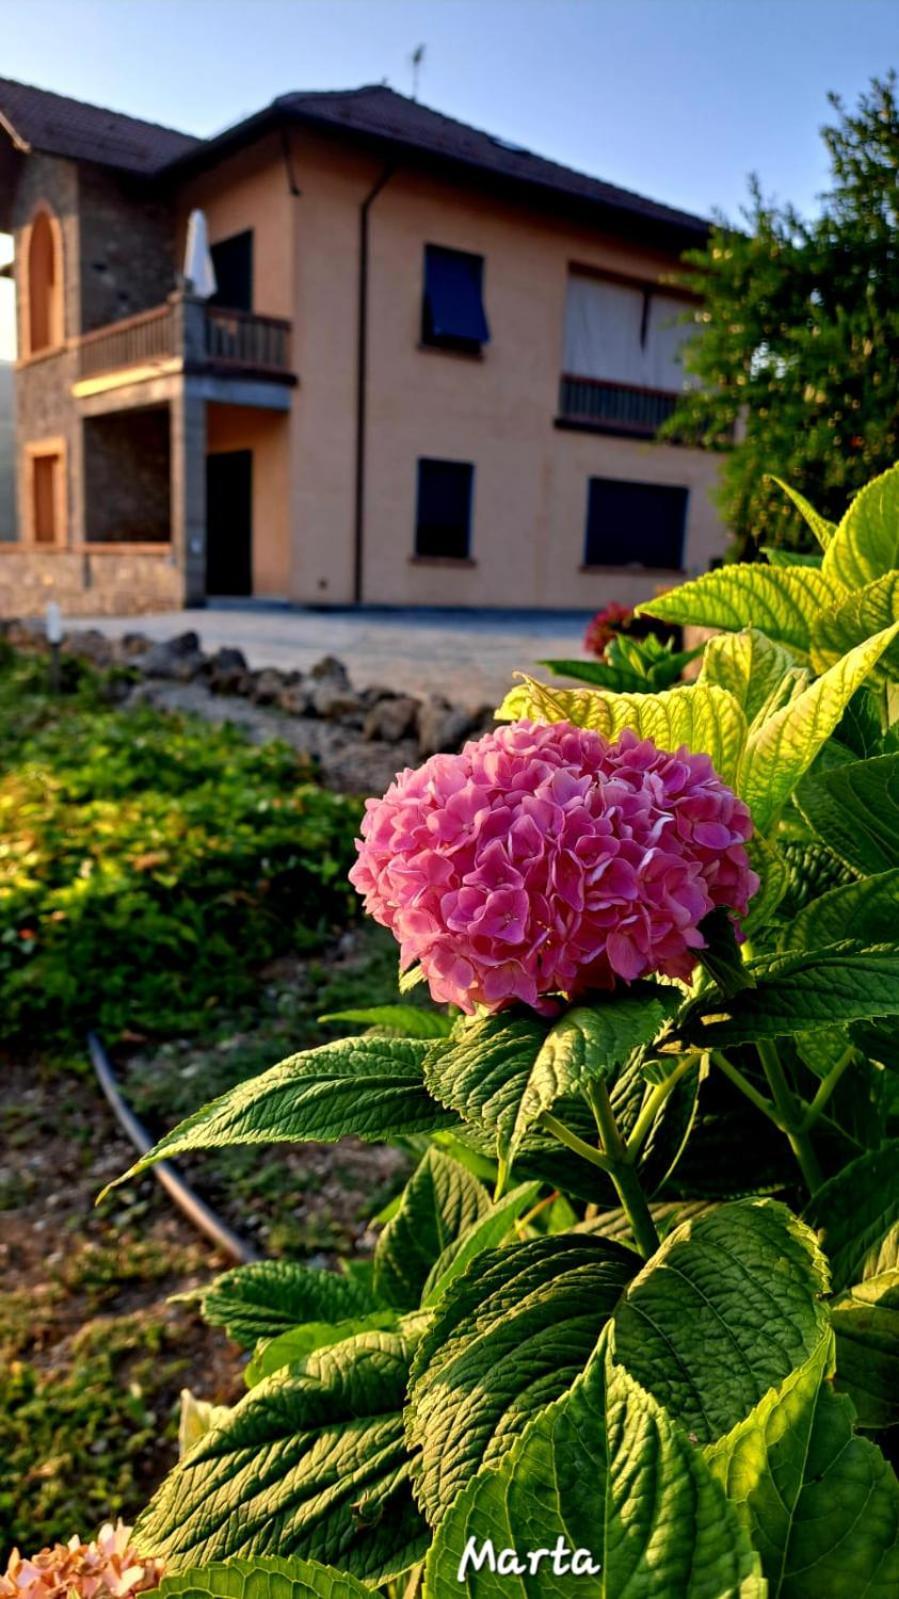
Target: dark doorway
(229,523)
(233,263)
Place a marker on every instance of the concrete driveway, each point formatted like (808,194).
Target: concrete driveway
(469,656)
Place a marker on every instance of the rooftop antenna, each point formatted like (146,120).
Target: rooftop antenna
(416,58)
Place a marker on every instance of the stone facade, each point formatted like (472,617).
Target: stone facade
(126,248)
(83,583)
(126,474)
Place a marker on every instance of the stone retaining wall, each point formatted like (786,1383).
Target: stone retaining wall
(88,583)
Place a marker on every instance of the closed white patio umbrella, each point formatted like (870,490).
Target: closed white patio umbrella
(199,272)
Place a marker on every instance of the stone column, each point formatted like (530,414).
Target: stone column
(187,414)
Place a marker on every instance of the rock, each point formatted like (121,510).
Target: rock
(442,726)
(269,684)
(377,692)
(89,645)
(184,643)
(224,670)
(392,719)
(171,659)
(330,667)
(131,644)
(335,701)
(295,698)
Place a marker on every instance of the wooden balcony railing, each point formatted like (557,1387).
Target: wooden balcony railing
(618,407)
(136,341)
(201,336)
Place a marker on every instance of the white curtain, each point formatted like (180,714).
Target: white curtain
(603,324)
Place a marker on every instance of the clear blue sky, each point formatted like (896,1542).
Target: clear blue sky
(678,99)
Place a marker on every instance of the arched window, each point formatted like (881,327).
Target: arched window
(44,277)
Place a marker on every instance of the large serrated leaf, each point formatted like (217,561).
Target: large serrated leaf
(854,809)
(603,1471)
(860,615)
(866,1323)
(292,1347)
(370,1087)
(870,907)
(508,1337)
(782,602)
(857,1215)
(866,543)
(269,1297)
(820,526)
(487,1232)
(820,1504)
(406,1021)
(800,992)
(440,1201)
(782,748)
(725,1309)
(505,1071)
(705,718)
(755,670)
(263,1579)
(310,1463)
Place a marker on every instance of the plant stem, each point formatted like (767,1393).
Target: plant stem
(502,1177)
(735,1076)
(571,1141)
(622,1173)
(827,1087)
(791,1121)
(654,1101)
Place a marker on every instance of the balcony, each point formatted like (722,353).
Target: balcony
(592,403)
(187,335)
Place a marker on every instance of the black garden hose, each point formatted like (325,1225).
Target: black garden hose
(194,1208)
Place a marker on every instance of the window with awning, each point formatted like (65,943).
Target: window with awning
(453,315)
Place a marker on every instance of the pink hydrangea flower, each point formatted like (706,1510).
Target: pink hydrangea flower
(545,859)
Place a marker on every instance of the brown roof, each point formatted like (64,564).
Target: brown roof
(36,119)
(375,116)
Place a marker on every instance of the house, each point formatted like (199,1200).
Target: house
(7,451)
(430,374)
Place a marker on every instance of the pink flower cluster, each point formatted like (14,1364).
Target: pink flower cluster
(545,859)
(107,1568)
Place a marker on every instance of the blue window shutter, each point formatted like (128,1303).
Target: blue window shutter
(454,304)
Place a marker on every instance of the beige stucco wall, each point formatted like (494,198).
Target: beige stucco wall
(267,435)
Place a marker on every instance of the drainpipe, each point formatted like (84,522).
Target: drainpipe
(361,367)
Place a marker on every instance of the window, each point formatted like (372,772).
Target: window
(623,333)
(452,315)
(43,276)
(46,492)
(232,261)
(635,524)
(443,514)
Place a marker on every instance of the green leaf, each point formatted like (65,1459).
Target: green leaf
(370,1087)
(755,670)
(800,992)
(506,1071)
(867,611)
(820,526)
(271,1296)
(721,956)
(440,1201)
(310,1463)
(783,747)
(774,875)
(778,557)
(407,1021)
(290,1348)
(619,679)
(820,1504)
(866,543)
(486,1233)
(724,1310)
(870,907)
(508,1337)
(782,602)
(854,808)
(866,1323)
(704,717)
(605,1471)
(856,1214)
(263,1579)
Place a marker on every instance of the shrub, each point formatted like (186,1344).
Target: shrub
(149,863)
(635,1313)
